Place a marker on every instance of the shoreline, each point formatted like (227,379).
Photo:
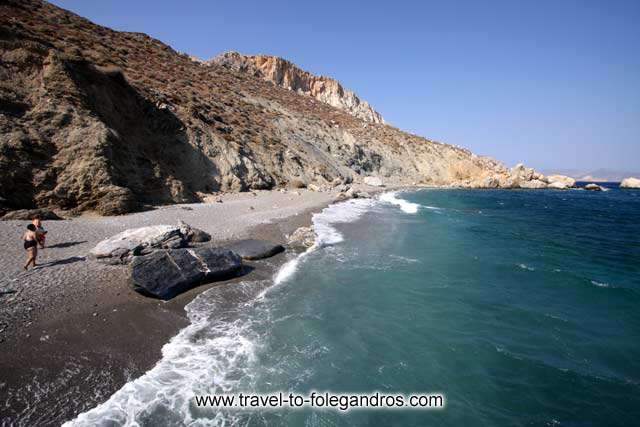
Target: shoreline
(76,333)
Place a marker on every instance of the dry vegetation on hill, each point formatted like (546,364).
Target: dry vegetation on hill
(95,119)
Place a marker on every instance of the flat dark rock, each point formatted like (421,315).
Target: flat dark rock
(251,249)
(166,273)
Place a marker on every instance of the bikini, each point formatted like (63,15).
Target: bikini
(28,244)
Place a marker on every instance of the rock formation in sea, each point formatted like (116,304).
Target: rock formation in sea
(630,183)
(287,75)
(98,120)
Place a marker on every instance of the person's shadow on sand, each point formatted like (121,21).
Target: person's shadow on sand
(65,244)
(69,260)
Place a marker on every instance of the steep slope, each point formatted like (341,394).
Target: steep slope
(287,75)
(94,119)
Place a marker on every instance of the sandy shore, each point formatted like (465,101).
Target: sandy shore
(74,331)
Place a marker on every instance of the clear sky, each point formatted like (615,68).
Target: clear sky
(555,84)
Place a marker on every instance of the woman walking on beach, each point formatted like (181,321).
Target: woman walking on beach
(30,238)
(41,233)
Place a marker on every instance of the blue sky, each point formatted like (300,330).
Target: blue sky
(555,84)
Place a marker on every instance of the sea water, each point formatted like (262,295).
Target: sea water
(522,307)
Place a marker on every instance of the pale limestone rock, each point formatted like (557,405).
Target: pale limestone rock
(533,184)
(373,181)
(286,74)
(567,181)
(630,183)
(557,185)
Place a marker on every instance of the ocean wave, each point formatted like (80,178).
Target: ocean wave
(404,205)
(404,259)
(326,233)
(214,354)
(600,284)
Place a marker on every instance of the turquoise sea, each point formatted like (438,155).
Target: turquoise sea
(522,307)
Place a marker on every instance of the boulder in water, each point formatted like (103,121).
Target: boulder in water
(630,183)
(252,249)
(302,237)
(166,273)
(593,187)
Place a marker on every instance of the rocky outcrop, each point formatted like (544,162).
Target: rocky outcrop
(252,249)
(535,184)
(630,183)
(560,182)
(167,273)
(593,187)
(287,75)
(29,214)
(121,248)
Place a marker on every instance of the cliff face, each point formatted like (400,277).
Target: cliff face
(94,119)
(289,76)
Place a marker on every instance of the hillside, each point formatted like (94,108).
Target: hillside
(93,119)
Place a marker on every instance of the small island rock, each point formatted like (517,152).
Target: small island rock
(630,183)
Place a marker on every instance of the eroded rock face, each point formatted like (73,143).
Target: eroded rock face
(557,185)
(630,183)
(167,273)
(533,184)
(289,76)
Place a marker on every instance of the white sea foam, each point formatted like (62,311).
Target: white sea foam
(600,284)
(216,353)
(526,267)
(404,205)
(213,354)
(326,233)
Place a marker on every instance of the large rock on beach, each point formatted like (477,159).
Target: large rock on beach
(167,273)
(557,185)
(192,234)
(29,214)
(630,183)
(302,237)
(120,248)
(251,249)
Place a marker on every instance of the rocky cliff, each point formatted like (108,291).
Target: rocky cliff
(287,75)
(95,119)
